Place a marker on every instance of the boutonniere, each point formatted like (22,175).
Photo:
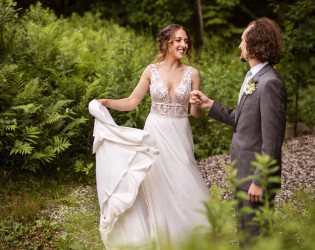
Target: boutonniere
(250,86)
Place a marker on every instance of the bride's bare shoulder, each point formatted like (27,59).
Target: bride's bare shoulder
(147,72)
(194,72)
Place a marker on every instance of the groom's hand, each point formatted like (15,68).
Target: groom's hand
(255,192)
(199,99)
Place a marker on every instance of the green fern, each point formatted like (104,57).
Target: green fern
(91,92)
(10,127)
(16,82)
(58,106)
(81,166)
(32,92)
(43,157)
(31,133)
(52,118)
(60,144)
(30,108)
(23,148)
(74,124)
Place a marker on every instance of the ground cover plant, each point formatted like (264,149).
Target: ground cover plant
(52,214)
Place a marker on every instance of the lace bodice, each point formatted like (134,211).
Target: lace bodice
(162,103)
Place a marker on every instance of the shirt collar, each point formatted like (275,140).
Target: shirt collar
(258,67)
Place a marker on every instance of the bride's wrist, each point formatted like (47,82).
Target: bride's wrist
(103,102)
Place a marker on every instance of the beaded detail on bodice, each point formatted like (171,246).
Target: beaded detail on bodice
(162,103)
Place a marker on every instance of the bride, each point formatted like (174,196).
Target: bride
(169,198)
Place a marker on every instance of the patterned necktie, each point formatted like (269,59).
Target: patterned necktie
(243,86)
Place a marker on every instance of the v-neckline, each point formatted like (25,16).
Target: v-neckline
(168,90)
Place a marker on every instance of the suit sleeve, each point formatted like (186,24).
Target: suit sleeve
(273,121)
(223,114)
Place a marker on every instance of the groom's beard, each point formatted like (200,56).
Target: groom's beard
(242,58)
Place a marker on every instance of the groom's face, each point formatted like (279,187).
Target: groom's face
(242,46)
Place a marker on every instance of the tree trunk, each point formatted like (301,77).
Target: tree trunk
(201,26)
(296,113)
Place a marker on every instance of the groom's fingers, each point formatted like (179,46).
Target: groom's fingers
(253,198)
(194,99)
(196,93)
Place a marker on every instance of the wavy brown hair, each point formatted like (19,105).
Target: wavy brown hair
(263,41)
(166,36)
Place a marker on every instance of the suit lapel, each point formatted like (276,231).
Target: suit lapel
(244,96)
(239,108)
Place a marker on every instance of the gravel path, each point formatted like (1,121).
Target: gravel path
(298,167)
(298,172)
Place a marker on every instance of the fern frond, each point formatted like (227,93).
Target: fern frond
(22,148)
(30,108)
(32,91)
(31,133)
(91,91)
(43,157)
(58,106)
(53,118)
(75,123)
(10,127)
(17,82)
(78,165)
(60,144)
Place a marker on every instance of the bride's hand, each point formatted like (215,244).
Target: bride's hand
(198,98)
(102,101)
(194,97)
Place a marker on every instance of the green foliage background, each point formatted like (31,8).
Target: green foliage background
(51,67)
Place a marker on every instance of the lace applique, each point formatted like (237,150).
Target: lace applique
(162,104)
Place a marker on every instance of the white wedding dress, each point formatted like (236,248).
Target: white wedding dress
(164,190)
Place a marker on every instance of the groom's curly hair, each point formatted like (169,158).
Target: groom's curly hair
(263,41)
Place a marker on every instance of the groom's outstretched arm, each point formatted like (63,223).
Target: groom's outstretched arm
(223,114)
(217,110)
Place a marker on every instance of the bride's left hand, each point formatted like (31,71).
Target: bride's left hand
(194,98)
(102,101)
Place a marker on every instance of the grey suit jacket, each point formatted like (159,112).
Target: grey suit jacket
(259,123)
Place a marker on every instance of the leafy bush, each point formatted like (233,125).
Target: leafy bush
(287,226)
(297,65)
(47,78)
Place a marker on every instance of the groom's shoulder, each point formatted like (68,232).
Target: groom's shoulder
(271,75)
(272,81)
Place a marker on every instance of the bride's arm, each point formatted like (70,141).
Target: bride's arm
(195,110)
(131,102)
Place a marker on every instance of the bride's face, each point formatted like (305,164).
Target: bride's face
(179,45)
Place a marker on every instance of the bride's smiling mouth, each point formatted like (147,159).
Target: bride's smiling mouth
(181,51)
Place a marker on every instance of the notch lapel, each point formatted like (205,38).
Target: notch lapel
(239,108)
(244,96)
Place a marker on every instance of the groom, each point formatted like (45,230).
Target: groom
(259,118)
